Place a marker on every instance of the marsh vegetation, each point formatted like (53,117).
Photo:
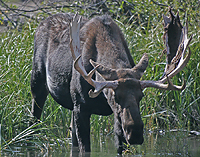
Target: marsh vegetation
(141,23)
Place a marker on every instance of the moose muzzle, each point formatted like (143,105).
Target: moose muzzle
(132,126)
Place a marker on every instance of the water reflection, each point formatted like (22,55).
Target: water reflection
(162,144)
(75,153)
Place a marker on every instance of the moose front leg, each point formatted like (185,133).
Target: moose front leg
(73,132)
(118,135)
(81,134)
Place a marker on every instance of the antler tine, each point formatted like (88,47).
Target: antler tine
(98,85)
(74,33)
(159,85)
(78,63)
(87,77)
(183,61)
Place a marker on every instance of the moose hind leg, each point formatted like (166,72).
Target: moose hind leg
(39,92)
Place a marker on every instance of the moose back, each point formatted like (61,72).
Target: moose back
(74,56)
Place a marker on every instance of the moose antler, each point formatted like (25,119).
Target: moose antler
(78,63)
(177,63)
(176,58)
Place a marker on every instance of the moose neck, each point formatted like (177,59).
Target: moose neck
(113,55)
(105,43)
(112,49)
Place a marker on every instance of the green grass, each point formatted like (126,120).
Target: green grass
(159,109)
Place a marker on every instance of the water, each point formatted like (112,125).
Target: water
(162,144)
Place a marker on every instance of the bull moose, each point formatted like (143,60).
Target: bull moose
(86,67)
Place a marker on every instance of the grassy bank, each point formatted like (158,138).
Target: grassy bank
(143,31)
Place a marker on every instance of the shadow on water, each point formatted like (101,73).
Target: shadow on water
(162,144)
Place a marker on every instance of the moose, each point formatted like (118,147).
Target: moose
(86,66)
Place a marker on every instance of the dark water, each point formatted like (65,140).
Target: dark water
(162,144)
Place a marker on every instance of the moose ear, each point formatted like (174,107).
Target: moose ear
(107,73)
(141,66)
